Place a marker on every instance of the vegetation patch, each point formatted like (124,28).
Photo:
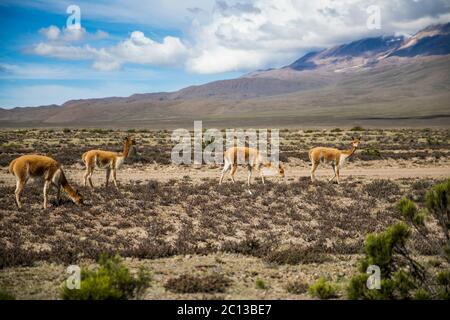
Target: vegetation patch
(111,281)
(187,283)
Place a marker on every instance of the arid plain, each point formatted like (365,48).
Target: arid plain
(176,220)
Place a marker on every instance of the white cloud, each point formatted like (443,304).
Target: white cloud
(136,49)
(237,35)
(55,34)
(263,33)
(140,49)
(51,33)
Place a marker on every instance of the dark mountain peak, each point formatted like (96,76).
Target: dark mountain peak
(304,63)
(364,47)
(441,28)
(432,40)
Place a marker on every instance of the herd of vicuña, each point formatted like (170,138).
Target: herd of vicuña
(36,166)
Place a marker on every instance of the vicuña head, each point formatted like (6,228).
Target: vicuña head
(355,142)
(108,160)
(36,166)
(277,167)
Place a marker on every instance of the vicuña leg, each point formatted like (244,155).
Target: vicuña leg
(314,166)
(19,187)
(46,188)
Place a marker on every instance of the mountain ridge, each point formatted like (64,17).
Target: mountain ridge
(375,61)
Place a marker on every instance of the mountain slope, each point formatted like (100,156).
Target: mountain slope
(381,77)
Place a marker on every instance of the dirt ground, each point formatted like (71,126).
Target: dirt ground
(175,220)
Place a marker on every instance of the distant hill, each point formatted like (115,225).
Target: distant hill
(390,79)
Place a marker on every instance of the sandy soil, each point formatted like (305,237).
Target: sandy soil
(198,173)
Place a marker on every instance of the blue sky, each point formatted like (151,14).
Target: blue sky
(136,46)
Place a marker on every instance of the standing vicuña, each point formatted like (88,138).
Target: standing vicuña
(331,156)
(36,166)
(253,159)
(111,161)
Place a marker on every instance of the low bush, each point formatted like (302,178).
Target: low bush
(296,287)
(402,277)
(111,281)
(261,284)
(323,289)
(295,255)
(186,283)
(5,295)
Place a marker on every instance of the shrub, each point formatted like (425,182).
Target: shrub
(443,279)
(385,250)
(297,287)
(401,276)
(322,289)
(260,284)
(5,295)
(111,281)
(295,255)
(357,128)
(410,212)
(370,153)
(187,283)
(438,204)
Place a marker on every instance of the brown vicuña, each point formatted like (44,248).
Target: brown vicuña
(250,157)
(111,161)
(336,158)
(37,166)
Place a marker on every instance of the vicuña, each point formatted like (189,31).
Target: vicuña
(111,161)
(36,166)
(250,157)
(336,158)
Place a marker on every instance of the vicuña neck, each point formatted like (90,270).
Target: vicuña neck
(67,188)
(126,149)
(349,152)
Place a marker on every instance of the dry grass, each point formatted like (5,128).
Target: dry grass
(281,225)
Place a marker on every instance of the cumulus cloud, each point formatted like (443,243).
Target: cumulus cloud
(136,49)
(262,33)
(53,33)
(239,35)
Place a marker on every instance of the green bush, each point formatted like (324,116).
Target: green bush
(111,281)
(357,128)
(260,284)
(402,277)
(409,211)
(371,151)
(443,279)
(383,250)
(322,289)
(5,295)
(438,204)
